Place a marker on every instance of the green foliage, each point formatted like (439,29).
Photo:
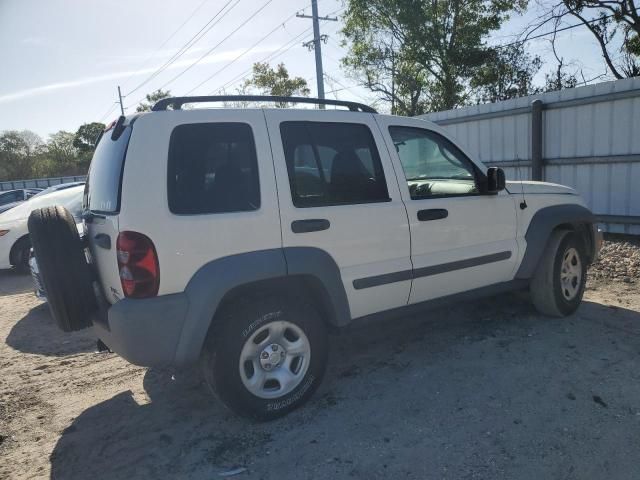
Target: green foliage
(276,81)
(86,136)
(420,55)
(19,154)
(24,155)
(508,73)
(151,99)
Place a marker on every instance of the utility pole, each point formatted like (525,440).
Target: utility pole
(315,43)
(120,101)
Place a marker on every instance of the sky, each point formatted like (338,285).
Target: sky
(63,60)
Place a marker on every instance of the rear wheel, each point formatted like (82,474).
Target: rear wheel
(558,284)
(266,356)
(63,267)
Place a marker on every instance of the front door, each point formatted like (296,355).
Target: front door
(461,239)
(338,192)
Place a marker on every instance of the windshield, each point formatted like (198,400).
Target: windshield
(105,173)
(70,198)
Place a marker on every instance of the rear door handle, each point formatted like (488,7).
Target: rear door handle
(103,241)
(432,214)
(311,225)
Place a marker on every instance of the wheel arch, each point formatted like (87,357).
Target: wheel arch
(15,248)
(544,222)
(296,270)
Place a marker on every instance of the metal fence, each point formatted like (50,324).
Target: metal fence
(39,182)
(586,137)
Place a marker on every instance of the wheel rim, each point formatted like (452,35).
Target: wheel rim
(274,359)
(571,274)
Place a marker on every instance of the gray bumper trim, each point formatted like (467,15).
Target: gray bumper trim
(144,332)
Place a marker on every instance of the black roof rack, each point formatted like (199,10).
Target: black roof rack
(177,102)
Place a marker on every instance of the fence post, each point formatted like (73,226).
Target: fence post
(536,140)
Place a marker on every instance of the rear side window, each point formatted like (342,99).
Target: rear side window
(332,164)
(213,169)
(105,174)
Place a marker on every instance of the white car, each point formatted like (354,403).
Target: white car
(236,238)
(14,234)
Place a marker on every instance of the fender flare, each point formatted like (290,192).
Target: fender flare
(543,222)
(214,280)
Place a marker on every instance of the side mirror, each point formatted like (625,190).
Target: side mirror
(495,180)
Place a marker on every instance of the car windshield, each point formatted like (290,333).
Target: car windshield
(70,198)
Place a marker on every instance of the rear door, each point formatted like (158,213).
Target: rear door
(334,176)
(101,206)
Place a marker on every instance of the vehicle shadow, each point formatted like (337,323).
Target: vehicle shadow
(37,333)
(401,397)
(13,282)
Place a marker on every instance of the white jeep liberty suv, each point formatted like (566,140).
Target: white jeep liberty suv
(237,237)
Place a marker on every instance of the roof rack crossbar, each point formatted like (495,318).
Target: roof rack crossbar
(177,102)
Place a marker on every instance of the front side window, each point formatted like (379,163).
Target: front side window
(332,164)
(432,165)
(213,169)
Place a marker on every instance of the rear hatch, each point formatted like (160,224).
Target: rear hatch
(102,206)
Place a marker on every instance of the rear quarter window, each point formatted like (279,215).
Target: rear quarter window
(212,168)
(105,174)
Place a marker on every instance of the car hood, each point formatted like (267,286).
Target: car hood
(531,187)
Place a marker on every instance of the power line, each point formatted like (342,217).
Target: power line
(227,65)
(208,52)
(192,41)
(167,39)
(282,50)
(558,30)
(108,112)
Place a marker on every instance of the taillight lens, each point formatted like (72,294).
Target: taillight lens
(138,265)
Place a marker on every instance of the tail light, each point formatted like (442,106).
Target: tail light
(138,265)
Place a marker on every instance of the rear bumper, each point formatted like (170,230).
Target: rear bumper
(144,332)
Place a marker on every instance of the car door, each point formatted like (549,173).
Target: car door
(461,238)
(338,192)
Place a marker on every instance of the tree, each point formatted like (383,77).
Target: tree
(151,99)
(507,74)
(615,24)
(19,153)
(420,55)
(277,82)
(61,154)
(86,136)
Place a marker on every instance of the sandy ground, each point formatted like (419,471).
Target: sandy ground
(488,390)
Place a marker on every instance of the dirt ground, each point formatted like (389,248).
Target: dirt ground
(487,390)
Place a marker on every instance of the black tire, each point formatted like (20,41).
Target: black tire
(63,267)
(20,255)
(547,292)
(234,327)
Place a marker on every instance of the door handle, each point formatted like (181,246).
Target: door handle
(103,241)
(311,225)
(432,214)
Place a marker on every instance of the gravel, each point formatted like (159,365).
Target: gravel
(619,260)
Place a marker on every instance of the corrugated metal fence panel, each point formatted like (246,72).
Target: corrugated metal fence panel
(39,182)
(590,142)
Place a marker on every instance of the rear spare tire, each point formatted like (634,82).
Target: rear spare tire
(63,267)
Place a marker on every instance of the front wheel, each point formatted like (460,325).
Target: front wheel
(266,356)
(558,284)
